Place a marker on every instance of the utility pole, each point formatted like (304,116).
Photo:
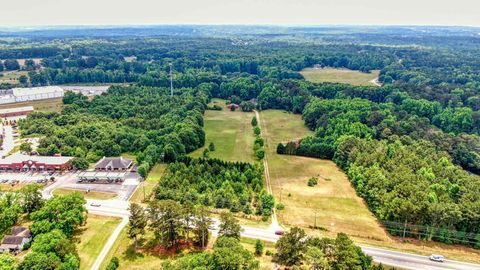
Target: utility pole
(171,81)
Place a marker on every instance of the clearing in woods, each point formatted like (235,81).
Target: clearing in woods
(333,202)
(231,133)
(336,75)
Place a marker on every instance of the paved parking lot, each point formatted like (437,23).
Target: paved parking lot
(25,177)
(69,181)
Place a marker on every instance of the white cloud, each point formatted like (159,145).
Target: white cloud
(109,12)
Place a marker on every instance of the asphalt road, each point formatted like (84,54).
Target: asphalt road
(380,255)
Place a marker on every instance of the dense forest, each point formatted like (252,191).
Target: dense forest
(410,147)
(142,120)
(216,183)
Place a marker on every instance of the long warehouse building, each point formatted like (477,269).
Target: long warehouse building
(32,93)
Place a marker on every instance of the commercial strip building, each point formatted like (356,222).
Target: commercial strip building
(20,162)
(29,94)
(15,112)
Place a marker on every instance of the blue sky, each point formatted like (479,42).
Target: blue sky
(303,12)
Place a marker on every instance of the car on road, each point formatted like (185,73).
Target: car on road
(95,204)
(437,258)
(279,232)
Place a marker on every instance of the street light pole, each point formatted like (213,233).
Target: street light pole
(171,80)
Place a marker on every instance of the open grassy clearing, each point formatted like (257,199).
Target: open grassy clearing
(335,75)
(12,76)
(333,201)
(94,195)
(231,132)
(144,190)
(21,61)
(47,105)
(92,237)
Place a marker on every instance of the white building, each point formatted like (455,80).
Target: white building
(32,93)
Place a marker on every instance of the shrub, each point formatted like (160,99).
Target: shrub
(256,130)
(260,153)
(254,121)
(211,147)
(259,247)
(313,181)
(280,206)
(114,263)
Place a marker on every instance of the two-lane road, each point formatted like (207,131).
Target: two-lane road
(379,255)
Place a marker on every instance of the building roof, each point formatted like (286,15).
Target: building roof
(18,109)
(36,90)
(113,162)
(21,231)
(17,237)
(12,240)
(91,175)
(19,158)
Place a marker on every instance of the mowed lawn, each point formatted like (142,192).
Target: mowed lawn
(92,237)
(95,195)
(337,75)
(333,201)
(231,132)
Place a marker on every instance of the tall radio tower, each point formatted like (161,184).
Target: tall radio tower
(171,80)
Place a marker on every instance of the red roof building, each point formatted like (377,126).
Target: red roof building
(20,162)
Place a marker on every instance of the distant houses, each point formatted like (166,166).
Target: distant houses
(16,240)
(235,106)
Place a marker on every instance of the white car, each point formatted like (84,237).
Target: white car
(437,258)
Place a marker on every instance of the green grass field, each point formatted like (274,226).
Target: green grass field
(94,195)
(333,201)
(47,105)
(91,238)
(334,75)
(231,132)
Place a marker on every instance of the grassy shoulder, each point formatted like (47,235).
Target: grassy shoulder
(144,190)
(336,75)
(145,259)
(130,258)
(92,237)
(94,195)
(231,132)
